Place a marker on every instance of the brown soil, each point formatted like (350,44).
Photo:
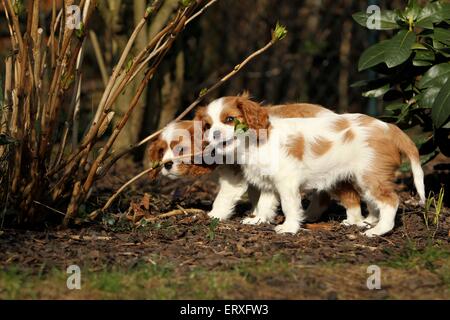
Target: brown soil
(191,241)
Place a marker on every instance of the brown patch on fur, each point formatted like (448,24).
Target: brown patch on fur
(380,176)
(341,124)
(348,136)
(321,146)
(296,110)
(297,147)
(347,195)
(365,120)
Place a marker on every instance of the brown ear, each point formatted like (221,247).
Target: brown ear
(154,148)
(256,117)
(200,114)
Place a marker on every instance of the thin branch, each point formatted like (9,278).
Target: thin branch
(137,177)
(203,94)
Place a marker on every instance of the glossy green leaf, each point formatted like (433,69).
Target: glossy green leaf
(435,76)
(413,10)
(395,106)
(376,93)
(426,99)
(398,49)
(432,13)
(418,46)
(441,106)
(387,21)
(372,56)
(442,35)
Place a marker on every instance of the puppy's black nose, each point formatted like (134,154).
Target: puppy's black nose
(216,134)
(168,165)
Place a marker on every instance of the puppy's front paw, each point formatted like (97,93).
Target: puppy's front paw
(371,221)
(255,220)
(376,231)
(215,214)
(287,228)
(348,223)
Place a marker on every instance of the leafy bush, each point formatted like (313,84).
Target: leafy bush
(413,70)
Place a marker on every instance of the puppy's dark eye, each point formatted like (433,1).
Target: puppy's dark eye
(229,119)
(207,126)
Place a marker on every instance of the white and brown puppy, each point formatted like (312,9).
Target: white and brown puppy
(178,139)
(231,180)
(315,153)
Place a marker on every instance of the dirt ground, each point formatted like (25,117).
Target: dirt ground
(328,261)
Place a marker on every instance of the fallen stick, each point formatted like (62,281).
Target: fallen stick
(173,213)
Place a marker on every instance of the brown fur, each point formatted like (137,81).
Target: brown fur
(380,177)
(347,195)
(341,124)
(348,136)
(297,147)
(321,146)
(296,110)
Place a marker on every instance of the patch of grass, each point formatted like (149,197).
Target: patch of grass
(412,257)
(276,277)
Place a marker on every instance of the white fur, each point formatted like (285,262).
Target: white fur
(284,174)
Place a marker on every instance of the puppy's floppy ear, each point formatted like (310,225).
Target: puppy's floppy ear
(200,114)
(256,117)
(153,155)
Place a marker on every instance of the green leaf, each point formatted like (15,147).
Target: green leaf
(442,35)
(418,46)
(412,11)
(280,32)
(388,20)
(441,106)
(395,106)
(372,56)
(425,55)
(376,93)
(422,63)
(426,99)
(423,58)
(398,49)
(435,76)
(430,14)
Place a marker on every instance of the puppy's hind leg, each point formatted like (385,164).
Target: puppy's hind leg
(388,209)
(351,201)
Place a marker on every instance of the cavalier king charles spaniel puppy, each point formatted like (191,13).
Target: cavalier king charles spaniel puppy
(178,139)
(281,156)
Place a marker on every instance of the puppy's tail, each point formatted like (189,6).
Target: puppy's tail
(408,148)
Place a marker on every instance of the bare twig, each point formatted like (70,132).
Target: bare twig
(202,95)
(173,213)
